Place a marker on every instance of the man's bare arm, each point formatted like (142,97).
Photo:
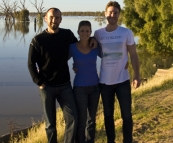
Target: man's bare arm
(135,64)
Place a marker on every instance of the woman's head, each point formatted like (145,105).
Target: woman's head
(84,29)
(84,23)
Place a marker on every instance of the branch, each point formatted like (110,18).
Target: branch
(35,5)
(23,4)
(39,8)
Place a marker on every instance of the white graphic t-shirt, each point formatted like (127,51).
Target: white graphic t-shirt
(114,54)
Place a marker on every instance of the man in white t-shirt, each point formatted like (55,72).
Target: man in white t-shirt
(116,43)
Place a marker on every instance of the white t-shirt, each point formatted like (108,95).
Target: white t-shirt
(115,55)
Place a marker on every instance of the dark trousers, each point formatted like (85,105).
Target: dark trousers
(64,95)
(123,93)
(87,99)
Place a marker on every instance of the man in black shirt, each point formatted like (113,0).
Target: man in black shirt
(47,63)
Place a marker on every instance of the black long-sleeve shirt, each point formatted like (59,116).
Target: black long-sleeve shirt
(48,53)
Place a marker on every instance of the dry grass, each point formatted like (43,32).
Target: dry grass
(38,134)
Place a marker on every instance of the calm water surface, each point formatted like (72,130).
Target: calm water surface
(19,98)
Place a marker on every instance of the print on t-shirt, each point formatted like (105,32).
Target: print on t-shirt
(112,51)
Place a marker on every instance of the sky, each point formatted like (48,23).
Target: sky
(71,5)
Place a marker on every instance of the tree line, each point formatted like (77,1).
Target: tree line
(81,13)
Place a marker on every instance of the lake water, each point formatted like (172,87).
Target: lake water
(19,98)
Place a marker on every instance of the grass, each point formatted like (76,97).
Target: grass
(152,115)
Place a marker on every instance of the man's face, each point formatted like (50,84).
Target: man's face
(53,19)
(112,14)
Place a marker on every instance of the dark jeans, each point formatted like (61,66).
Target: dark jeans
(64,95)
(123,93)
(87,99)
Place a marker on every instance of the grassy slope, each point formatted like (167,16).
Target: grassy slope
(152,114)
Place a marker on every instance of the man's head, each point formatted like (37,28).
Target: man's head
(53,19)
(114,4)
(112,12)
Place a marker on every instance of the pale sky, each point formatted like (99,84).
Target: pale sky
(71,5)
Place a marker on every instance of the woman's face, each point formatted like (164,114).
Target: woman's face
(84,32)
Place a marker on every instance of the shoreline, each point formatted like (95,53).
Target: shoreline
(16,134)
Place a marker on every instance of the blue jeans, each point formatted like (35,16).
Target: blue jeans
(64,95)
(87,98)
(123,93)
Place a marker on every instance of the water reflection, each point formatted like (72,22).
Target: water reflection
(17,29)
(8,27)
(39,24)
(101,20)
(22,27)
(12,28)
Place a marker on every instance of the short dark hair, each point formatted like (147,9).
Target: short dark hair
(54,8)
(84,23)
(113,3)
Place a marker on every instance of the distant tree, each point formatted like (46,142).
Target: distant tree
(5,8)
(13,9)
(17,15)
(40,9)
(151,21)
(22,5)
(24,13)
